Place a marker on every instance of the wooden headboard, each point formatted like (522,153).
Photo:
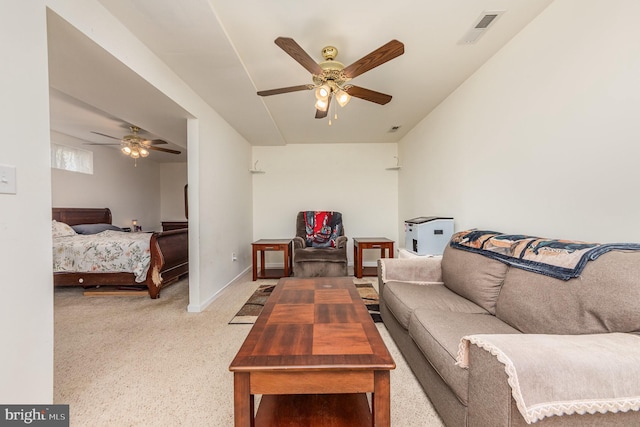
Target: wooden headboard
(75,216)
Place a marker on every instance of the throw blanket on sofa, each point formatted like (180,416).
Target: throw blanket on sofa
(322,228)
(562,259)
(558,374)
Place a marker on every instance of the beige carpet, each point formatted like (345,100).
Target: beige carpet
(133,361)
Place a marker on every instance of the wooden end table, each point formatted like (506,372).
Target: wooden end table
(361,243)
(313,354)
(263,245)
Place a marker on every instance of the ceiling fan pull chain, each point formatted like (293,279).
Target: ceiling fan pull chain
(335,113)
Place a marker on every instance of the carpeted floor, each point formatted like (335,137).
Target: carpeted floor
(133,361)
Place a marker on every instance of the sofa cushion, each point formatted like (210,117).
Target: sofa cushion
(437,334)
(402,298)
(603,299)
(473,276)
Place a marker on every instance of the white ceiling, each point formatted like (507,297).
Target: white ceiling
(225,51)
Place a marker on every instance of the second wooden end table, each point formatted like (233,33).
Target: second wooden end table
(361,243)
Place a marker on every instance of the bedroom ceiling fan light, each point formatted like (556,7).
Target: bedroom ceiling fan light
(144,152)
(126,150)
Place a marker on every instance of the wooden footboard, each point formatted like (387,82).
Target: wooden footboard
(169,259)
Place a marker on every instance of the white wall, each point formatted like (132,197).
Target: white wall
(173,178)
(348,178)
(26,309)
(544,139)
(220,215)
(224,214)
(130,192)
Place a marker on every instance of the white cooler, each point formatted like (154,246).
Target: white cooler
(427,235)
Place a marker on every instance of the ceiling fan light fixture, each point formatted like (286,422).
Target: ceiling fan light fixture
(126,149)
(134,154)
(323,92)
(322,105)
(342,97)
(144,152)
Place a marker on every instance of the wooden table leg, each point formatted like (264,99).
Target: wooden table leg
(287,256)
(255,262)
(262,267)
(242,401)
(357,260)
(381,399)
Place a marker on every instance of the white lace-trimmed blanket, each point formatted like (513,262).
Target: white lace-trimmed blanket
(565,374)
(562,259)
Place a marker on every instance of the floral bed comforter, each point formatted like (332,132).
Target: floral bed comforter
(105,252)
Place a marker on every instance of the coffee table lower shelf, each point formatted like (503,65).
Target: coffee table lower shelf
(335,410)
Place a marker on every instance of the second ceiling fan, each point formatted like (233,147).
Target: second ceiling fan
(330,77)
(134,145)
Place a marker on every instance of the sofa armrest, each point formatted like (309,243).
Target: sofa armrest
(341,242)
(413,270)
(523,378)
(423,271)
(298,243)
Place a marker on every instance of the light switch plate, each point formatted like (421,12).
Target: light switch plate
(7,179)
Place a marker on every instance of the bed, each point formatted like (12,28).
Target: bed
(168,250)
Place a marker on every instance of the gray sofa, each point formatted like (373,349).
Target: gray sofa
(581,335)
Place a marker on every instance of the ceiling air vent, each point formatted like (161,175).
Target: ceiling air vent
(481,25)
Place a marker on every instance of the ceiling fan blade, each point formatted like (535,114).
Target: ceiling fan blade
(368,95)
(284,90)
(103,134)
(294,50)
(166,150)
(100,143)
(158,142)
(378,57)
(322,114)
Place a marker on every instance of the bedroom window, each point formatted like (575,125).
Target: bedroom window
(71,159)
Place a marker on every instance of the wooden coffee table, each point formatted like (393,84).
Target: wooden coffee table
(313,354)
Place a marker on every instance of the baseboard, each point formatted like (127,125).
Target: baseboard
(197,308)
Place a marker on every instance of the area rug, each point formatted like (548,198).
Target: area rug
(253,307)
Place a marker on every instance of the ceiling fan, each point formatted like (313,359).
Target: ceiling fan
(330,77)
(134,145)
